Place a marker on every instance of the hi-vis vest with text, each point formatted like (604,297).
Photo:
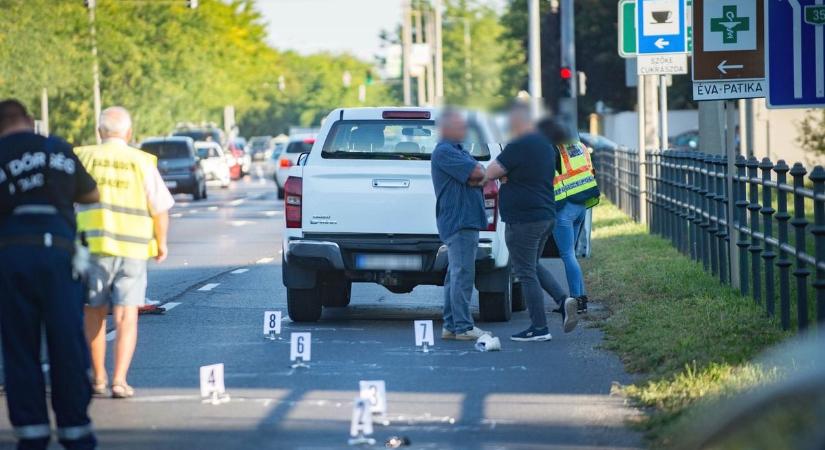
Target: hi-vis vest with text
(120,225)
(576,174)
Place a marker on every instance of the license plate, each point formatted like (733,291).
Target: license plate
(387,262)
(171,184)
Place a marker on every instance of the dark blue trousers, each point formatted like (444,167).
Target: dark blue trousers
(37,291)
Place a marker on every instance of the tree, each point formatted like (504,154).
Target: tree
(812,132)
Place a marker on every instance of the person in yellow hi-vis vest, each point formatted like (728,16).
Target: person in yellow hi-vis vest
(575,191)
(126,228)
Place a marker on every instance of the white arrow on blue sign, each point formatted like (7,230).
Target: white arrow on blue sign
(795,40)
(661,27)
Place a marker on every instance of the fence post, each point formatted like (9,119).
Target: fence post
(693,217)
(704,216)
(799,223)
(784,263)
(642,168)
(720,180)
(818,230)
(767,225)
(755,249)
(742,224)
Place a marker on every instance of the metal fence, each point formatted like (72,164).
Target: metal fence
(687,203)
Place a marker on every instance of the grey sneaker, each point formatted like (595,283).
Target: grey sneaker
(471,334)
(447,334)
(569,314)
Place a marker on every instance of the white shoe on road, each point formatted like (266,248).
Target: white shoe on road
(471,334)
(571,318)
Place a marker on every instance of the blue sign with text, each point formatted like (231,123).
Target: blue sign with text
(795,59)
(661,27)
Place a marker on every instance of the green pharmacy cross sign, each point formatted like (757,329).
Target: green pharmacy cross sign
(730,25)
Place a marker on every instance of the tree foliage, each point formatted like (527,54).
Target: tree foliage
(812,132)
(168,64)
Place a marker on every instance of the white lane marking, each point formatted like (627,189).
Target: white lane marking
(176,215)
(183,204)
(110,336)
(266,260)
(237,202)
(209,286)
(240,223)
(271,213)
(212,208)
(169,305)
(194,211)
(239,271)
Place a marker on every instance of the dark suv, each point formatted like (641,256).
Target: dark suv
(178,165)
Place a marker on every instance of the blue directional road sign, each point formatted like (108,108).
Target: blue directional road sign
(795,59)
(661,27)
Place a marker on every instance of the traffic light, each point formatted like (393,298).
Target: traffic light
(567,83)
(192,4)
(369,78)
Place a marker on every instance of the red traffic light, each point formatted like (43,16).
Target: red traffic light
(565,73)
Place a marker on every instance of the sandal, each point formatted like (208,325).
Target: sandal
(122,390)
(100,387)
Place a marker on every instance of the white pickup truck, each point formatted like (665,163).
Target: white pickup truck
(360,207)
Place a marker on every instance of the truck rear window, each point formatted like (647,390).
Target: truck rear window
(391,139)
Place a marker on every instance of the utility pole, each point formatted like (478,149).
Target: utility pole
(663,111)
(640,113)
(44,111)
(468,65)
(534,56)
(431,100)
(406,41)
(439,57)
(419,40)
(95,69)
(651,112)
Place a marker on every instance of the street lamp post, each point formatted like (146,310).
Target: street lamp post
(534,56)
(92,4)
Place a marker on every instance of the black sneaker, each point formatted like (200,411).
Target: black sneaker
(569,315)
(532,334)
(581,304)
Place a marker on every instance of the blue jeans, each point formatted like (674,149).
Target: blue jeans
(458,284)
(525,241)
(569,220)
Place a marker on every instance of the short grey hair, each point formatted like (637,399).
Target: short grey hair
(114,121)
(448,113)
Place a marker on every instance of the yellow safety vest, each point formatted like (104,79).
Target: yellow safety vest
(121,224)
(576,174)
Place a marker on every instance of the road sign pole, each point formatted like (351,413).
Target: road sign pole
(663,111)
(534,56)
(640,112)
(731,152)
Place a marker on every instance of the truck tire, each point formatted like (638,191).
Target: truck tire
(518,298)
(336,289)
(496,306)
(304,305)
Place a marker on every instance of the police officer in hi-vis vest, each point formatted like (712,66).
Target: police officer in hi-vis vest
(127,227)
(40,180)
(575,191)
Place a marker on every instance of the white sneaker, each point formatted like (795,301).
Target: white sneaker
(471,334)
(447,334)
(569,308)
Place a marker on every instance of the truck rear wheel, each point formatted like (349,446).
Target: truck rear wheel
(304,305)
(496,306)
(336,289)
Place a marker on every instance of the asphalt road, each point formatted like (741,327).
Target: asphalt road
(224,272)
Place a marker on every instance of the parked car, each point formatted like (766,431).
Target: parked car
(289,157)
(595,142)
(178,165)
(689,140)
(209,133)
(361,208)
(215,162)
(258,147)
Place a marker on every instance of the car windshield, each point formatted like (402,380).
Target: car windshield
(203,152)
(259,143)
(167,150)
(391,139)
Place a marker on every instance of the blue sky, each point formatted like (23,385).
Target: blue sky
(330,25)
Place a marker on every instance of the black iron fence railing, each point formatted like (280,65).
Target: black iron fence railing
(686,202)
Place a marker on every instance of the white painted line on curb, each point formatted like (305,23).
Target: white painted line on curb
(209,286)
(239,271)
(110,336)
(168,306)
(266,260)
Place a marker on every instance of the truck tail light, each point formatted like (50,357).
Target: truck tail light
(284,163)
(491,204)
(293,192)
